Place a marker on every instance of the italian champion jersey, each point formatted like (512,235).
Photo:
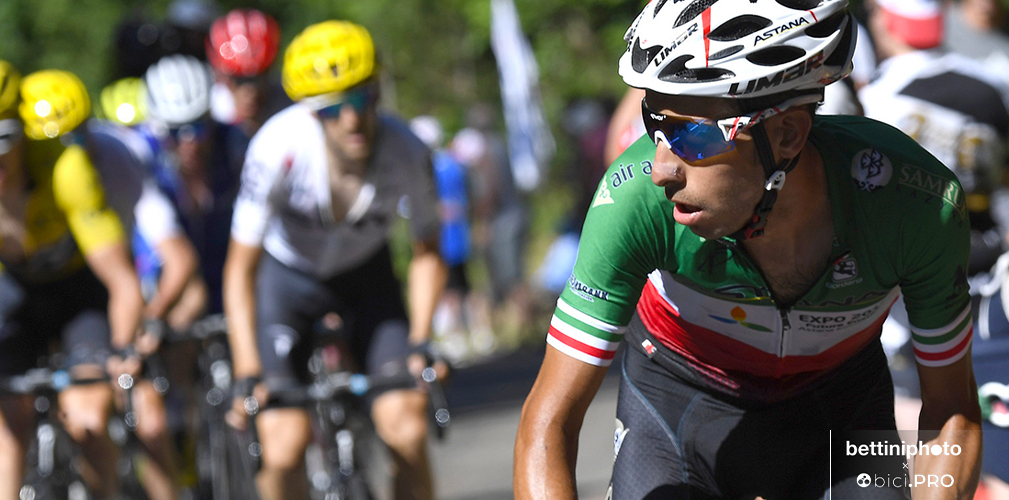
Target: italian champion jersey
(900,226)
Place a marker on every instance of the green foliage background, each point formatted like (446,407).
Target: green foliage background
(436,51)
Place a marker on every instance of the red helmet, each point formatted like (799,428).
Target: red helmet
(243,43)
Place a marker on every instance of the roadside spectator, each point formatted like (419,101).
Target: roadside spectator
(453,321)
(502,219)
(973,28)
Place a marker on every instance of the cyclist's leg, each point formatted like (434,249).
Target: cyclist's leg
(400,416)
(380,333)
(287,303)
(87,408)
(152,431)
(17,415)
(857,397)
(649,455)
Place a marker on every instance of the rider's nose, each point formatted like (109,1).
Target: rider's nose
(668,171)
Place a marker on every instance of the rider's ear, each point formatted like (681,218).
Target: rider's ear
(789,134)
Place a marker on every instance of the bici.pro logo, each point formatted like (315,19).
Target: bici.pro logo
(863,480)
(882,459)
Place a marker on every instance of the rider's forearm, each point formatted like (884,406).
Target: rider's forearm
(179,266)
(125,309)
(426,281)
(191,305)
(964,467)
(545,456)
(113,267)
(240,309)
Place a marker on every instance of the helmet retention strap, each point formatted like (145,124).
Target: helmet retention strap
(775,175)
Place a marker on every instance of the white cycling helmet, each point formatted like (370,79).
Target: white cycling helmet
(738,48)
(178,90)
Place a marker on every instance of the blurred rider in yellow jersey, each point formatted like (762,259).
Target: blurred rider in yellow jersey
(67,273)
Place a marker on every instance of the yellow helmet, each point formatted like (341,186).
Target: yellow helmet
(124,101)
(328,57)
(53,103)
(10,80)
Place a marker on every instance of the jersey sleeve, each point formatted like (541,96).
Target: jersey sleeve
(934,277)
(261,174)
(425,222)
(625,235)
(78,192)
(155,217)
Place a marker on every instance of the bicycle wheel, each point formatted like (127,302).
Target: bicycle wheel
(130,487)
(52,468)
(212,457)
(352,441)
(241,469)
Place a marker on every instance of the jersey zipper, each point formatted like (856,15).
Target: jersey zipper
(785,326)
(783,313)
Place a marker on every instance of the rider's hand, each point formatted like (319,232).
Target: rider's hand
(123,363)
(242,408)
(150,337)
(423,356)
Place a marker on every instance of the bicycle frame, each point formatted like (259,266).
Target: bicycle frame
(52,470)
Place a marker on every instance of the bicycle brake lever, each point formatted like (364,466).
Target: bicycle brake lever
(438,404)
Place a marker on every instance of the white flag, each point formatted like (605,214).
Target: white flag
(531,147)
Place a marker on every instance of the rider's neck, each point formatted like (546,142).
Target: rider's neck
(802,211)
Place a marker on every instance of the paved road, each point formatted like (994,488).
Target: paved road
(474,462)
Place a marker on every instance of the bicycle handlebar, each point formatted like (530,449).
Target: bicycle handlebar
(44,380)
(211,326)
(346,383)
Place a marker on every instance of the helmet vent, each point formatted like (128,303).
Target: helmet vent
(696,75)
(799,4)
(693,10)
(658,6)
(773,56)
(640,57)
(725,52)
(845,47)
(738,27)
(675,66)
(827,27)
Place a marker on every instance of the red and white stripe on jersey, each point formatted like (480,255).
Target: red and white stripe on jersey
(946,345)
(583,337)
(727,336)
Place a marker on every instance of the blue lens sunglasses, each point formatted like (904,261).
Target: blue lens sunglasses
(360,99)
(694,139)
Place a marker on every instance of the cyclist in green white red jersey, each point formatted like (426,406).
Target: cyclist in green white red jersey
(752,306)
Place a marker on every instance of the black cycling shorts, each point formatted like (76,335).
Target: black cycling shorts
(289,303)
(71,310)
(677,439)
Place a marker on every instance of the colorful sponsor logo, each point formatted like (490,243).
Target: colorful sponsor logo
(739,317)
(871,170)
(649,347)
(845,270)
